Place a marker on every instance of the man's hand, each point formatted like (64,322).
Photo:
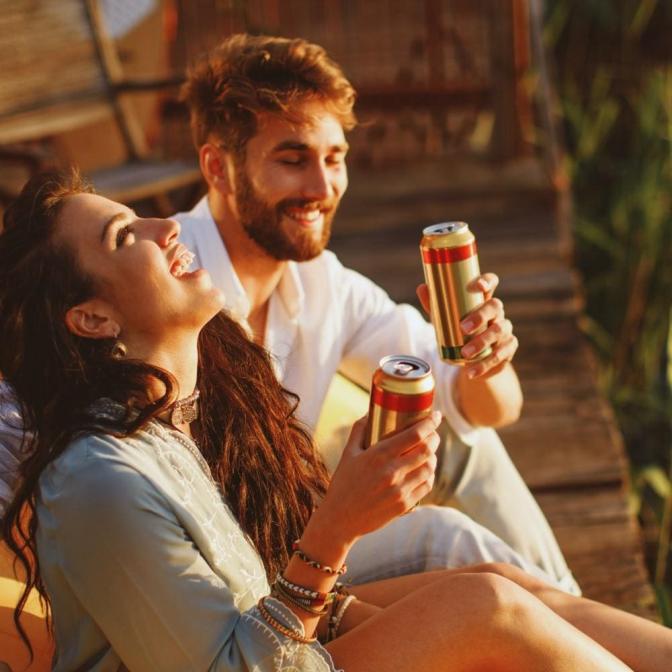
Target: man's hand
(487,392)
(497,330)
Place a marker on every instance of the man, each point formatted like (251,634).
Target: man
(269,118)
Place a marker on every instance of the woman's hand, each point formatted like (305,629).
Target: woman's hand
(371,487)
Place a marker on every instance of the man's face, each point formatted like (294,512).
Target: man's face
(290,182)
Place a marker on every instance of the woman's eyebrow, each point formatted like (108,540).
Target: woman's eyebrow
(111,222)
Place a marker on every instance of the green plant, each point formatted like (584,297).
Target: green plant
(615,87)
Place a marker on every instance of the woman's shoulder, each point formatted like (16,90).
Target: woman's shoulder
(96,468)
(152,469)
(100,451)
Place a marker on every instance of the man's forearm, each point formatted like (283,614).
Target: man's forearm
(495,400)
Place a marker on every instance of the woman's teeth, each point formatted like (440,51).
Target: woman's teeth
(181,266)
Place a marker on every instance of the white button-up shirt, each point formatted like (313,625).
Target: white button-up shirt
(324,318)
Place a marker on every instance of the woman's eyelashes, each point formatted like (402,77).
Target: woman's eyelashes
(123,234)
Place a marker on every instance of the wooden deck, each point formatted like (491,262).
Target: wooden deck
(566,444)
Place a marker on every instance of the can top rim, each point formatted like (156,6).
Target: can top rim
(444,228)
(405,367)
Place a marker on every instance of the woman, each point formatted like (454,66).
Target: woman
(157,524)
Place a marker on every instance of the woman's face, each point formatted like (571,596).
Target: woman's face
(139,267)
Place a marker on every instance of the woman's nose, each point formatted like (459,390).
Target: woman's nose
(166,231)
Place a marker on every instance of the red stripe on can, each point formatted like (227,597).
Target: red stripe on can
(448,255)
(402,403)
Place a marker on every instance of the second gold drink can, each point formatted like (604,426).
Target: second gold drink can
(450,262)
(402,392)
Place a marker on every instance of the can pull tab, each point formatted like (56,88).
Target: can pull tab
(447,228)
(404,368)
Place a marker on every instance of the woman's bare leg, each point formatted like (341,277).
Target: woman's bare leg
(469,622)
(643,645)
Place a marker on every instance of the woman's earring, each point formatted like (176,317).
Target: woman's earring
(118,350)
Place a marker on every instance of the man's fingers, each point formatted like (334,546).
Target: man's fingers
(493,309)
(486,283)
(502,353)
(499,331)
(422,292)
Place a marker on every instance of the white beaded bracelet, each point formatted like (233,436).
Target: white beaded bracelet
(336,618)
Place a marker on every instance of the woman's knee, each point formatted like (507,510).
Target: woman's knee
(492,600)
(530,583)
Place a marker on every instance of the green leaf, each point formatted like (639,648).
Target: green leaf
(657,480)
(634,502)
(599,236)
(642,16)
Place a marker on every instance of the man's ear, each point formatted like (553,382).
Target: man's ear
(217,168)
(92,319)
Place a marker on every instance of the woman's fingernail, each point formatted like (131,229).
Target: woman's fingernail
(471,374)
(467,326)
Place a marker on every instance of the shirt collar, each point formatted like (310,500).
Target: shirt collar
(216,260)
(289,290)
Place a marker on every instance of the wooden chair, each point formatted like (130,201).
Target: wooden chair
(61,72)
(13,652)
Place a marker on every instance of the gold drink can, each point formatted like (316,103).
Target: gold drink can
(402,392)
(450,263)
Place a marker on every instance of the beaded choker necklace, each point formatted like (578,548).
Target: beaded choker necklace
(184,411)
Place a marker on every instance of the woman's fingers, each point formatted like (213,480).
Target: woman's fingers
(355,441)
(404,441)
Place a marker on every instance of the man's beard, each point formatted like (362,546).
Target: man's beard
(263,223)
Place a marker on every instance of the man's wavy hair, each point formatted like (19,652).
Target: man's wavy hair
(246,75)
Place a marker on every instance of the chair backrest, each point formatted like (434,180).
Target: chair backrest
(59,71)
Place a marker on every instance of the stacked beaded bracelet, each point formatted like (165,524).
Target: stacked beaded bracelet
(314,598)
(317,565)
(274,623)
(302,603)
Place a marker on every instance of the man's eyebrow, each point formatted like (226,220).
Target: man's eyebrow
(297,146)
(291,144)
(111,222)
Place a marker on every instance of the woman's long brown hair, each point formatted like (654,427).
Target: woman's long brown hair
(259,454)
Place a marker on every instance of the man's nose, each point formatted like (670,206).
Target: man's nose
(318,185)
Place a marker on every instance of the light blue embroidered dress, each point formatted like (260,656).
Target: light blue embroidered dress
(148,570)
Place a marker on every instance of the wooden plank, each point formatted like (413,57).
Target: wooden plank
(133,182)
(56,119)
(602,545)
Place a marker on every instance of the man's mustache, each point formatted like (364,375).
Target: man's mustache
(323,206)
